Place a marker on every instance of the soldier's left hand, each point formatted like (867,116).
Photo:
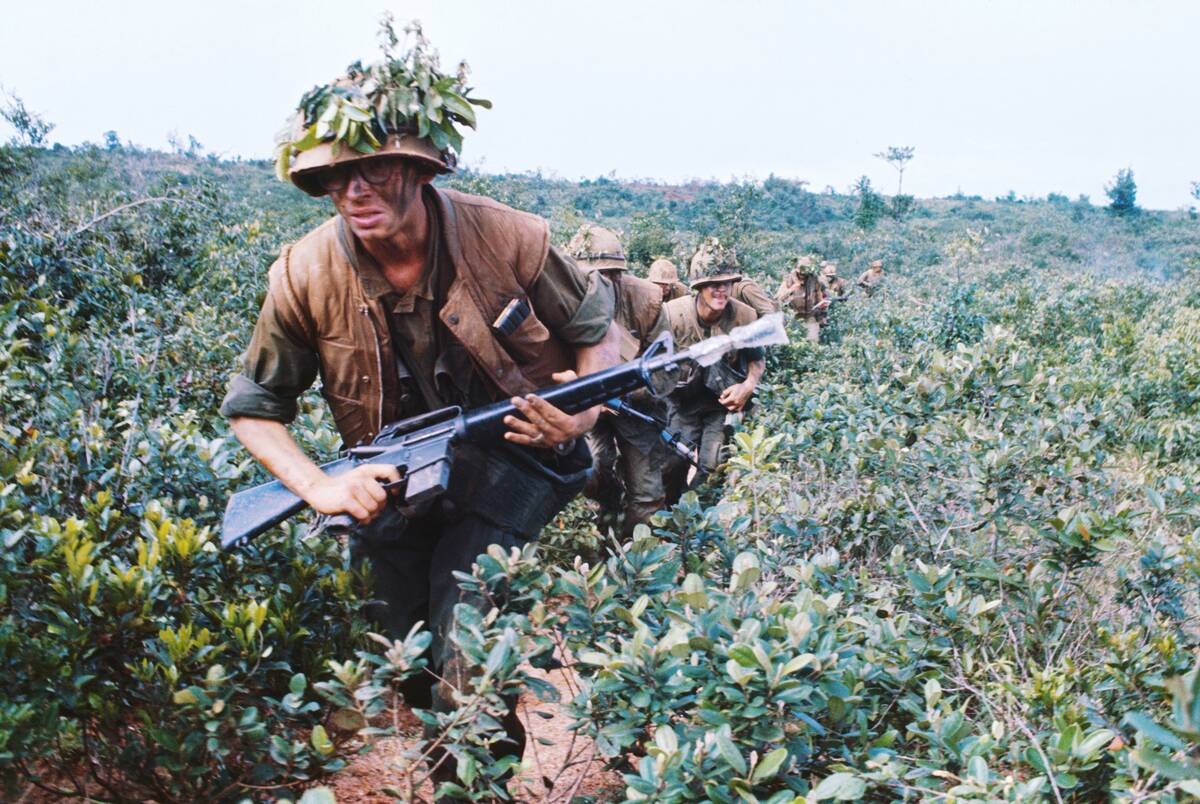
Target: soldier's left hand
(543,424)
(735,397)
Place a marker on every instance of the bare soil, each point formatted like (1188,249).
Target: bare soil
(555,773)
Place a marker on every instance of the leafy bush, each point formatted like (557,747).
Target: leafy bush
(956,554)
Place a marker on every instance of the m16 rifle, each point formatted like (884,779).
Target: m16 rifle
(422,448)
(675,442)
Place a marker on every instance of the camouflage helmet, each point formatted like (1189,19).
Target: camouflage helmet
(804,265)
(829,268)
(876,264)
(663,272)
(597,249)
(700,259)
(402,105)
(718,264)
(307,164)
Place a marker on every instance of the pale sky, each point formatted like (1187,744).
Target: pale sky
(1036,97)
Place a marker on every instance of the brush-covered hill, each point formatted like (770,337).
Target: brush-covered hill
(956,553)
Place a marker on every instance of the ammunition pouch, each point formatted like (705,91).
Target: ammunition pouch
(721,375)
(516,489)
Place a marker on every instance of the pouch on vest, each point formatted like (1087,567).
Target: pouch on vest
(721,375)
(410,402)
(511,317)
(515,489)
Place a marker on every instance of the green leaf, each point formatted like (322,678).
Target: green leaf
(455,103)
(499,654)
(320,740)
(743,655)
(1152,730)
(297,684)
(839,787)
(729,751)
(1191,787)
(347,719)
(1161,764)
(769,765)
(1093,743)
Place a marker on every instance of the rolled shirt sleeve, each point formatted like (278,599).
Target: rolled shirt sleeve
(576,305)
(276,369)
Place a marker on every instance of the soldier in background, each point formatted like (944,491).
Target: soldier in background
(627,454)
(745,290)
(835,286)
(801,290)
(872,278)
(705,396)
(663,274)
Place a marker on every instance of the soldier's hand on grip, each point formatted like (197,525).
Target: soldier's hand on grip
(358,492)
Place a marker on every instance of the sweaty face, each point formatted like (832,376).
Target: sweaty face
(716,295)
(374,206)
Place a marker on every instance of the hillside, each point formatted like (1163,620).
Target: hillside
(957,552)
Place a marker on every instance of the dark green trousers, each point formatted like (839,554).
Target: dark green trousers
(703,425)
(500,496)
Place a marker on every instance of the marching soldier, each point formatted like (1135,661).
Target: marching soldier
(872,278)
(663,274)
(705,396)
(627,454)
(835,286)
(410,299)
(745,290)
(802,291)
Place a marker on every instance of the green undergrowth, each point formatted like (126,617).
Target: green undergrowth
(956,554)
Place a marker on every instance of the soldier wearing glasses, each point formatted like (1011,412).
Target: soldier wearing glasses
(409,299)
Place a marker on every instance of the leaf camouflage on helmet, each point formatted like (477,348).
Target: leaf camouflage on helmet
(405,94)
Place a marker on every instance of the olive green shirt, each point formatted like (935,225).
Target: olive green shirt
(576,306)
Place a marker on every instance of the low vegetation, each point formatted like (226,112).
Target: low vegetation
(956,555)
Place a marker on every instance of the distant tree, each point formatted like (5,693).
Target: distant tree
(871,206)
(1196,190)
(898,157)
(732,216)
(650,237)
(32,129)
(111,141)
(1122,192)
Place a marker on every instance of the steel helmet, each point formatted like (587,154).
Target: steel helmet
(596,248)
(663,272)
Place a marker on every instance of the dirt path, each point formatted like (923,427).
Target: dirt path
(570,764)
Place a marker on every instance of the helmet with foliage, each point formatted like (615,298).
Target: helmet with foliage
(402,105)
(697,266)
(663,271)
(804,265)
(596,248)
(718,264)
(829,268)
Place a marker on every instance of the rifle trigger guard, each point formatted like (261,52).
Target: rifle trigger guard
(663,345)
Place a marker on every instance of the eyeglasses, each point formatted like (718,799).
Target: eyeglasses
(375,172)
